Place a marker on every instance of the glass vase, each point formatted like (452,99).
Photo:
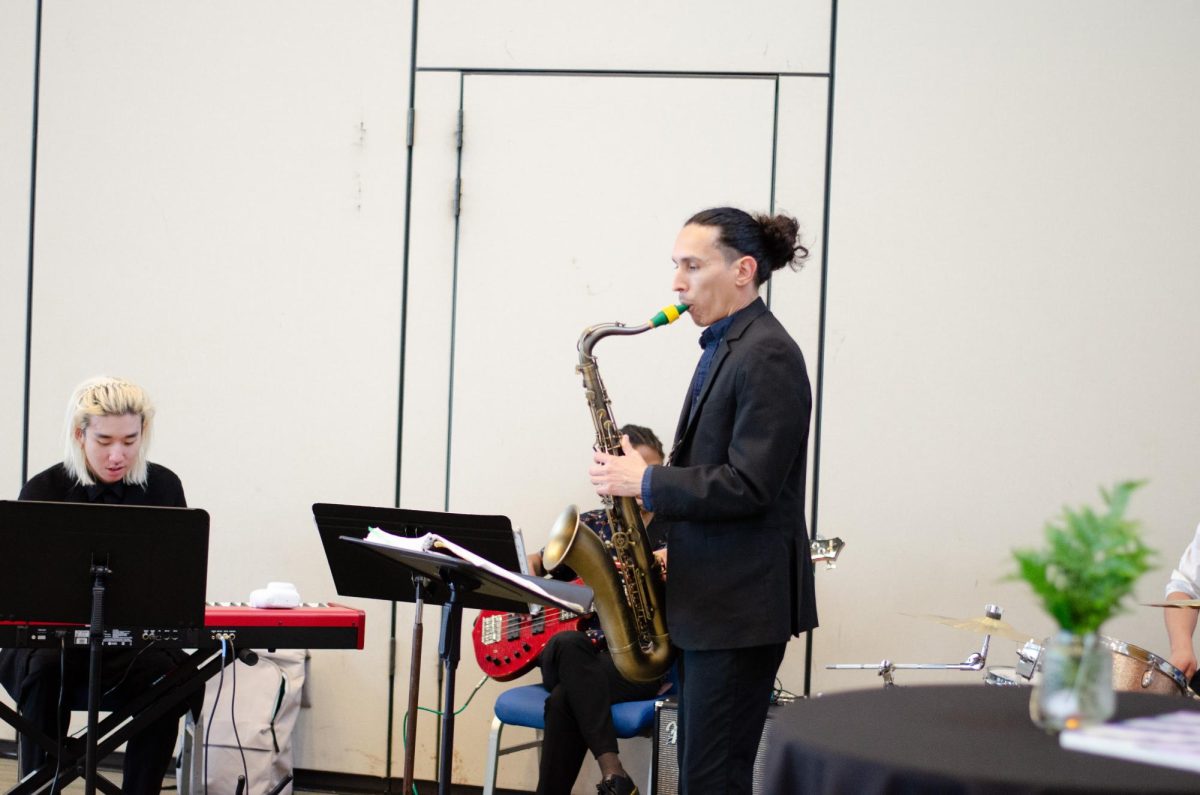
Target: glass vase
(1076,686)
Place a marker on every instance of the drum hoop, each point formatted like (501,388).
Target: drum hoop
(1146,657)
(994,672)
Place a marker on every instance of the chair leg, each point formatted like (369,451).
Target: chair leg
(493,757)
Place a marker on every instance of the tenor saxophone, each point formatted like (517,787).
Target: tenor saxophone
(629,598)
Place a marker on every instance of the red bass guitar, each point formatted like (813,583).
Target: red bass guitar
(507,645)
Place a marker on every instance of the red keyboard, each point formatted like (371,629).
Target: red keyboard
(324,626)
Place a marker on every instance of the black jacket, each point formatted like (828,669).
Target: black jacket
(732,495)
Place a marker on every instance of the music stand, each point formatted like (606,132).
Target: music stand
(95,565)
(371,571)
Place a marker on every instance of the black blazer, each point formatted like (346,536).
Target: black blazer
(732,496)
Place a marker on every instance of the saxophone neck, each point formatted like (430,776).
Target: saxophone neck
(593,334)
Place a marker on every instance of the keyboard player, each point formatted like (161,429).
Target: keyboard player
(107,435)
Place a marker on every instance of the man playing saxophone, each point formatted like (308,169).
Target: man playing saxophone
(731,497)
(582,679)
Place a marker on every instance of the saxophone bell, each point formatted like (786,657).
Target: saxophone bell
(562,538)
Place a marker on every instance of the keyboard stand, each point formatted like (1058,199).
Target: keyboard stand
(120,725)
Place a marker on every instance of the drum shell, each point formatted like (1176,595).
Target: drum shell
(1136,670)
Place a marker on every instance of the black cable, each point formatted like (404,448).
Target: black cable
(128,668)
(216,703)
(233,717)
(62,680)
(59,731)
(779,692)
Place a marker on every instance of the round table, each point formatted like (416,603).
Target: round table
(949,739)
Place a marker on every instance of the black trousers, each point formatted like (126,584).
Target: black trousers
(124,674)
(583,685)
(723,706)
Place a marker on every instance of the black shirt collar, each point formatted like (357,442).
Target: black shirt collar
(106,492)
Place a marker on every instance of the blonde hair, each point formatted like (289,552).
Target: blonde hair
(106,396)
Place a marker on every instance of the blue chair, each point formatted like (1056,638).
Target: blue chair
(525,706)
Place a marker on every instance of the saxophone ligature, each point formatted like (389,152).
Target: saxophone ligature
(623,574)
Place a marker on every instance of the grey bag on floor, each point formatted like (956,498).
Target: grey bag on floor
(266,707)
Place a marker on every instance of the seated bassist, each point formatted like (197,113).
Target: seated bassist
(581,677)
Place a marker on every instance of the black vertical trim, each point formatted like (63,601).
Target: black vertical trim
(408,189)
(33,163)
(819,402)
(774,166)
(453,349)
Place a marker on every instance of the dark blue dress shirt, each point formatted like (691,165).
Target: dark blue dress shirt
(710,340)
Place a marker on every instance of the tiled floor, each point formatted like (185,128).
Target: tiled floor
(8,777)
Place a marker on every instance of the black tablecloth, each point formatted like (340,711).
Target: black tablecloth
(949,739)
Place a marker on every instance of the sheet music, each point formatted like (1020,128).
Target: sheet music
(432,542)
(1170,740)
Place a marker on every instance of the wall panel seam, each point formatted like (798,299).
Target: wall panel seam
(33,164)
(404,265)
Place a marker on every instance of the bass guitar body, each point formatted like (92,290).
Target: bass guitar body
(507,645)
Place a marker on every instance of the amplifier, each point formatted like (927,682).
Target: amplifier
(664,764)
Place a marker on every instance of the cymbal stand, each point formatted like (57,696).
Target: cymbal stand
(974,661)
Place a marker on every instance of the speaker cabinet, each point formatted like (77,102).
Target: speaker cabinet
(664,763)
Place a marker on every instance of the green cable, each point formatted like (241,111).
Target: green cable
(404,730)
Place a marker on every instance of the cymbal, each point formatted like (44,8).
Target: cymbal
(1174,603)
(982,625)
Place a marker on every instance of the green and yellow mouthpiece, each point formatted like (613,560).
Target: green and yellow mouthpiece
(669,314)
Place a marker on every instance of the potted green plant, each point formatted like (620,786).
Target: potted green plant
(1091,562)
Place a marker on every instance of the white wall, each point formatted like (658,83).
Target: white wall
(17,41)
(220,206)
(17,38)
(221,198)
(1010,293)
(671,35)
